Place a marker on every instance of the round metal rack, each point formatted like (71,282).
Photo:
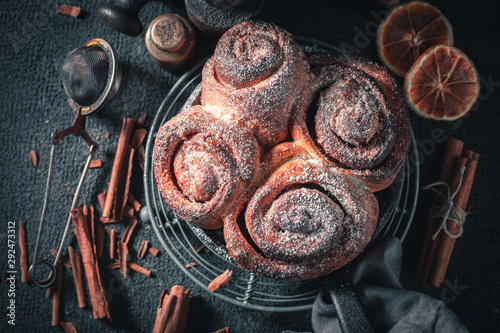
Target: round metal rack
(246,289)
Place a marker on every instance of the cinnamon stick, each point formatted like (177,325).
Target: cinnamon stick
(112,244)
(133,266)
(56,296)
(142,249)
(172,311)
(141,156)
(126,176)
(95,164)
(141,120)
(100,306)
(220,281)
(102,200)
(133,202)
(99,241)
(138,138)
(77,269)
(72,11)
(453,150)
(446,243)
(115,198)
(128,211)
(33,158)
(49,292)
(68,327)
(64,260)
(163,311)
(129,230)
(23,257)
(200,247)
(122,253)
(139,269)
(154,251)
(223,330)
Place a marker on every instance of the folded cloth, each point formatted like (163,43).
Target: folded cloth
(389,307)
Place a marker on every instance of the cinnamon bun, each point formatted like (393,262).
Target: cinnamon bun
(202,164)
(305,221)
(254,77)
(352,115)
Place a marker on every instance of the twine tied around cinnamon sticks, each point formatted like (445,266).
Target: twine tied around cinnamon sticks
(448,211)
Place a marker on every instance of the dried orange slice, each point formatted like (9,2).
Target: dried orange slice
(407,32)
(443,84)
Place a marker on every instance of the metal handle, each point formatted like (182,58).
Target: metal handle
(350,311)
(36,262)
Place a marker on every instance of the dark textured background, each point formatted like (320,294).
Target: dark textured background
(33,45)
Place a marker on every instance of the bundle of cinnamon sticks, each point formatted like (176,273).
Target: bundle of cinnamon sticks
(114,202)
(447,213)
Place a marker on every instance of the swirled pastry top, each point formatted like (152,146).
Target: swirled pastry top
(255,75)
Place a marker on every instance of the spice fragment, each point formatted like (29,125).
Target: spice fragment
(33,158)
(95,164)
(220,281)
(23,259)
(72,11)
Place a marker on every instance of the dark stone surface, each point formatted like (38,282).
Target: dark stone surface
(35,41)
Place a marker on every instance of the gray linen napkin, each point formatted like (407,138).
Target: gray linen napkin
(389,307)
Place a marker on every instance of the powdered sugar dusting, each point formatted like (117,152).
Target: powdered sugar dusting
(307,219)
(354,123)
(255,75)
(202,164)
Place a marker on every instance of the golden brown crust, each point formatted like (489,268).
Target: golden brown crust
(202,164)
(346,88)
(254,76)
(305,221)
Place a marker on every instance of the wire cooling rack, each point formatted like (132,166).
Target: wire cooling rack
(246,289)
